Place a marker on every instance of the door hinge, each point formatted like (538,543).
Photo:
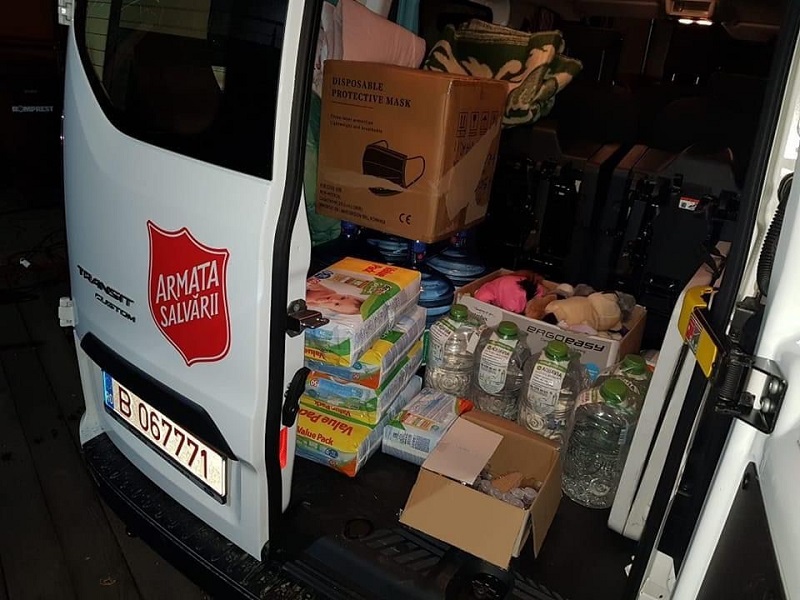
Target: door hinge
(729,364)
(731,398)
(66,312)
(300,318)
(66,10)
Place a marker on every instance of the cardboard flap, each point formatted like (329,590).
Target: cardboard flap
(447,510)
(463,451)
(466,174)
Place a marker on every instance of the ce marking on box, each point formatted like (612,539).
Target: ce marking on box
(405,218)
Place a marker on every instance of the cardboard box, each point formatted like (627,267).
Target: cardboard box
(406,151)
(417,429)
(476,522)
(596,352)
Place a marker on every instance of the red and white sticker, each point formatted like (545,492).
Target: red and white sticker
(688,203)
(187,293)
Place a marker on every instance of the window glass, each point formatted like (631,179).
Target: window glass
(199,77)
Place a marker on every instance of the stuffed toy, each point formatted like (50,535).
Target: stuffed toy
(579,309)
(512,292)
(591,314)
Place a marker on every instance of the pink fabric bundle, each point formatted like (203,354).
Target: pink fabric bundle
(504,292)
(367,36)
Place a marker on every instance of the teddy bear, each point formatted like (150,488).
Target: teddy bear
(592,314)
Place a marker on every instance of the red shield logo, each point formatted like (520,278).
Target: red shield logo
(188,294)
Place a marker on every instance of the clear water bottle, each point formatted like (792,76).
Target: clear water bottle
(598,445)
(551,384)
(437,293)
(452,343)
(497,375)
(632,370)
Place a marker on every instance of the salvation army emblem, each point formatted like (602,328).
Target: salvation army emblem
(187,293)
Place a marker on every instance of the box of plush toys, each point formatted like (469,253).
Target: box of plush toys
(601,326)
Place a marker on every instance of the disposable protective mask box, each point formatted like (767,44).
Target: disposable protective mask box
(443,506)
(406,151)
(597,352)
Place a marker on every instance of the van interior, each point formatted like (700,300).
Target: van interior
(665,108)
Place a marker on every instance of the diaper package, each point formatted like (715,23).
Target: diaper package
(376,365)
(362,300)
(338,442)
(419,426)
(357,402)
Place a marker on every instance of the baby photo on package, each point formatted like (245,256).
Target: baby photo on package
(362,300)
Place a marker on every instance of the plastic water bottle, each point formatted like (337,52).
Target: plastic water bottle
(457,263)
(393,249)
(497,375)
(551,384)
(452,343)
(633,372)
(598,445)
(437,293)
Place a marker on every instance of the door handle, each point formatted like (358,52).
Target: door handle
(291,403)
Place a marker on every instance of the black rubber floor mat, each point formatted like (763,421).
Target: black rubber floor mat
(342,537)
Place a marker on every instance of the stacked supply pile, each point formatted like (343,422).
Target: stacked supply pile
(362,362)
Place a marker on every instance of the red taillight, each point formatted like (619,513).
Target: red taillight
(283,447)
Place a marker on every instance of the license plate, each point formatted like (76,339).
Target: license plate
(172,441)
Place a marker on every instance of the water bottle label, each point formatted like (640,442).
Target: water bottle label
(544,387)
(475,337)
(588,396)
(440,331)
(494,362)
(623,437)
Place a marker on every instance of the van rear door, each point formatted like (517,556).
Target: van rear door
(182,186)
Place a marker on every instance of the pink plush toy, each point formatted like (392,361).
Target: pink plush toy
(511,292)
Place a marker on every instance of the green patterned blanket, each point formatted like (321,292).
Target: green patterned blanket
(531,63)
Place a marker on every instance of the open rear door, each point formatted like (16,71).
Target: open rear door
(183,131)
(746,543)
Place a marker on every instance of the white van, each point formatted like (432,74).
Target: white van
(185,135)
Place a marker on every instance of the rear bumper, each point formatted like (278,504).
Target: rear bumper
(205,556)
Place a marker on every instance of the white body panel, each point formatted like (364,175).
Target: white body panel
(114,185)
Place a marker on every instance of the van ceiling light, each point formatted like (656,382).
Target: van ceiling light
(686,21)
(690,9)
(704,22)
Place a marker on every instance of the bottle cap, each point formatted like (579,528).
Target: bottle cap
(634,364)
(418,247)
(556,350)
(613,390)
(507,329)
(459,312)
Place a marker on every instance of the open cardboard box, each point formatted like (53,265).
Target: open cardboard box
(476,522)
(596,352)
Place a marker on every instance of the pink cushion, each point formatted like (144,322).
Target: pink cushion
(367,36)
